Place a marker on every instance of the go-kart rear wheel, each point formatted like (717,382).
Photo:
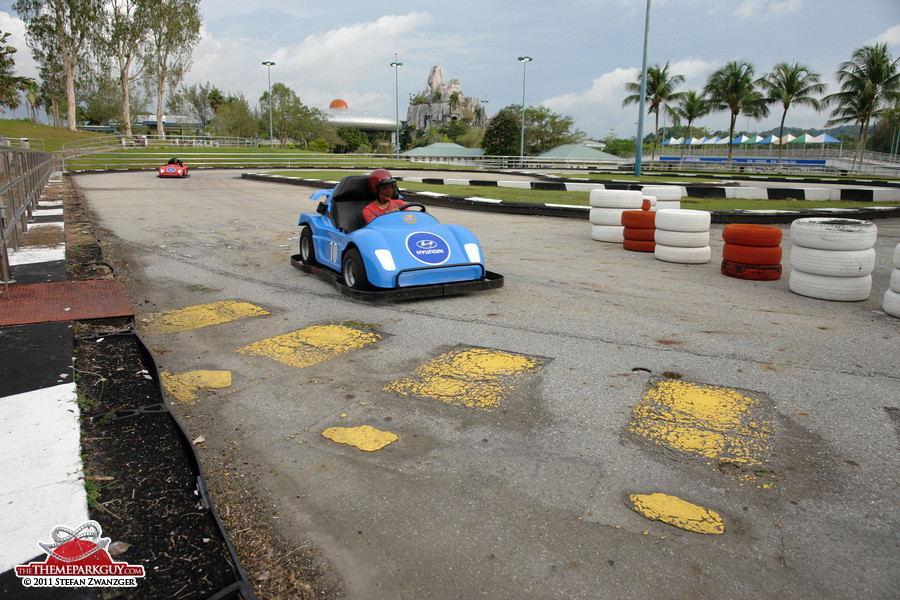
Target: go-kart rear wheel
(307,251)
(354,271)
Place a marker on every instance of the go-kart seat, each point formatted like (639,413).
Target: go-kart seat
(348,201)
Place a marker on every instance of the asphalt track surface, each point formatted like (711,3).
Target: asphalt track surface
(529,496)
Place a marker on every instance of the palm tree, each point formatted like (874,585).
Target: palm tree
(32,95)
(870,80)
(791,84)
(660,90)
(691,106)
(733,88)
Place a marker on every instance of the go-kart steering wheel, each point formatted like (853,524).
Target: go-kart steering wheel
(417,204)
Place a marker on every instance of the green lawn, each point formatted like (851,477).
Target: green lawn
(581,198)
(53,137)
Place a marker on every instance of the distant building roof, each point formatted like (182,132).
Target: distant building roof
(444,149)
(341,115)
(577,151)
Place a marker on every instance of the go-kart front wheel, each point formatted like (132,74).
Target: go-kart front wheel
(307,251)
(354,271)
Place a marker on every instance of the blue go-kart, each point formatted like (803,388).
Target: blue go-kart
(400,255)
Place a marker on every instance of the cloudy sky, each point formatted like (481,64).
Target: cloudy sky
(584,51)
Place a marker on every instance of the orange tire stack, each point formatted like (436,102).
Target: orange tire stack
(640,230)
(751,251)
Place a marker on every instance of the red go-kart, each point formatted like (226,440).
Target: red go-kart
(174,168)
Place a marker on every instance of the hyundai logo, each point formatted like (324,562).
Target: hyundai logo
(426,244)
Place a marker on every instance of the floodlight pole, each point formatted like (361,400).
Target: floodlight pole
(524,60)
(640,131)
(269,64)
(397,66)
(895,145)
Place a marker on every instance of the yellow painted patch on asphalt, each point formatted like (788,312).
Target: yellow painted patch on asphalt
(677,512)
(312,345)
(364,437)
(202,315)
(184,386)
(708,421)
(475,378)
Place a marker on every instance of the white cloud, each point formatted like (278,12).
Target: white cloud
(322,66)
(768,9)
(25,65)
(695,71)
(890,36)
(599,108)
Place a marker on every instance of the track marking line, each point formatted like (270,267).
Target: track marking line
(184,386)
(312,345)
(202,315)
(474,378)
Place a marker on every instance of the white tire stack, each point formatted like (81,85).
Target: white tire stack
(607,207)
(832,259)
(667,196)
(682,236)
(891,303)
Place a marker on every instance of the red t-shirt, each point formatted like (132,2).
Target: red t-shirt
(372,210)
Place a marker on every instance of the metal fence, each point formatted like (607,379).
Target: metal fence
(151,152)
(23,176)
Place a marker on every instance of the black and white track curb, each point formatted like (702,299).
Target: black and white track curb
(855,194)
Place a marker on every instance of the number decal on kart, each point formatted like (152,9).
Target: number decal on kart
(333,252)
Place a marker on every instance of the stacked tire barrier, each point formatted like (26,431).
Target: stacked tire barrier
(682,236)
(607,207)
(832,259)
(667,196)
(891,304)
(639,230)
(751,251)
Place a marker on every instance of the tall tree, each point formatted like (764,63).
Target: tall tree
(32,95)
(791,84)
(215,99)
(62,27)
(52,90)
(733,88)
(501,138)
(691,106)
(198,98)
(660,91)
(10,83)
(174,30)
(545,129)
(234,118)
(125,33)
(283,104)
(870,81)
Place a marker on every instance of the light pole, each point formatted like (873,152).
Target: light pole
(524,60)
(640,130)
(269,64)
(396,65)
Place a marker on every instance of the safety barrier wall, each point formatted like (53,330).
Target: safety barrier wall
(23,176)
